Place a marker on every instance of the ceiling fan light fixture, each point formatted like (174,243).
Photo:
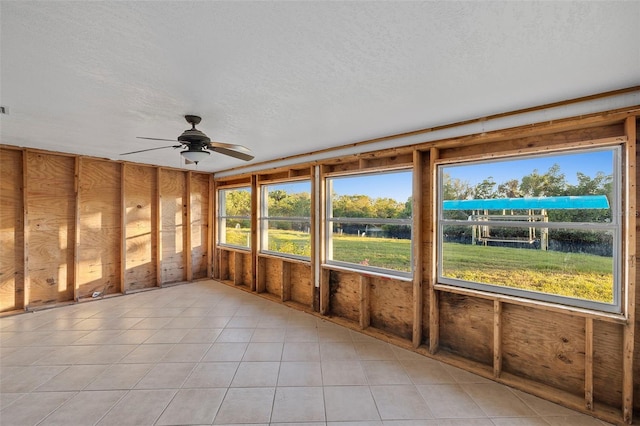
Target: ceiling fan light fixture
(195,155)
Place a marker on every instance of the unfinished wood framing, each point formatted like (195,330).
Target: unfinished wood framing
(82,225)
(325,294)
(158,228)
(365,303)
(237,270)
(497,338)
(434,298)
(188,263)
(588,363)
(99,228)
(212,226)
(285,290)
(254,233)
(630,269)
(141,239)
(12,241)
(199,238)
(123,229)
(577,357)
(51,206)
(173,190)
(418,252)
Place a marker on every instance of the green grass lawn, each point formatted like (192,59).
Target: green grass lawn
(386,253)
(577,275)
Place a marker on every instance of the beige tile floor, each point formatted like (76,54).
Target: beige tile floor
(205,353)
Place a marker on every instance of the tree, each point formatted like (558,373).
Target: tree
(509,189)
(552,183)
(455,189)
(284,204)
(387,208)
(601,184)
(485,189)
(237,203)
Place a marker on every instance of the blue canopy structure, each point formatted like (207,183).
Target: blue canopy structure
(535,203)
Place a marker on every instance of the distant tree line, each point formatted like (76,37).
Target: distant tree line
(285,204)
(551,183)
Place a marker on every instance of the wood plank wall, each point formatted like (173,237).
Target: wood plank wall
(11,231)
(173,210)
(72,226)
(199,225)
(50,228)
(141,227)
(99,231)
(582,360)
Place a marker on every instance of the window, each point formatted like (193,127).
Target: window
(234,217)
(369,222)
(285,220)
(541,227)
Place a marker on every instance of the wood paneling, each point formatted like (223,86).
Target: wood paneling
(172,217)
(273,276)
(11,231)
(391,305)
(607,363)
(247,266)
(51,207)
(466,327)
(301,285)
(99,232)
(140,187)
(223,265)
(344,295)
(199,224)
(547,347)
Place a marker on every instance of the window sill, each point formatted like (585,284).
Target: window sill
(373,274)
(284,257)
(514,300)
(233,248)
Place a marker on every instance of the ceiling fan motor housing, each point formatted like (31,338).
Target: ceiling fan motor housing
(194,137)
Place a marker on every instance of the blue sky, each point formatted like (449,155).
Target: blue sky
(589,163)
(397,185)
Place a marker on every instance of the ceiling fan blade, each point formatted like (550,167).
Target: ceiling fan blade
(157,139)
(232,152)
(229,146)
(152,149)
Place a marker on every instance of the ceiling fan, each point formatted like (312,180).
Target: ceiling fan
(197,145)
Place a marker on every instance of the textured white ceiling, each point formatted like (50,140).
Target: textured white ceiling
(285,78)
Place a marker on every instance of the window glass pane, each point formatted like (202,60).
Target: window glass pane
(382,245)
(234,212)
(383,240)
(289,200)
(576,187)
(383,195)
(289,237)
(235,202)
(543,227)
(578,264)
(237,232)
(278,233)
